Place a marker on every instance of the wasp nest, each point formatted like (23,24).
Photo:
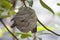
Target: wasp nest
(25,19)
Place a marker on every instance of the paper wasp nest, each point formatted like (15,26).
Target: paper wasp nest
(25,19)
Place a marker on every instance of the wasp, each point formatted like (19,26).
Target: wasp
(25,20)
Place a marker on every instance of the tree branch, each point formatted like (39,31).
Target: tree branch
(23,1)
(13,2)
(47,28)
(8,29)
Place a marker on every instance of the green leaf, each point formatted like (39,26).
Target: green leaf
(18,33)
(25,35)
(1,11)
(11,12)
(58,14)
(5,16)
(46,6)
(58,4)
(30,2)
(5,4)
(40,28)
(4,0)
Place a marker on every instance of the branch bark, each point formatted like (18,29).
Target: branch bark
(8,29)
(47,28)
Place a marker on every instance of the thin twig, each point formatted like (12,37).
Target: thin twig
(23,2)
(13,8)
(8,29)
(47,28)
(13,2)
(34,36)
